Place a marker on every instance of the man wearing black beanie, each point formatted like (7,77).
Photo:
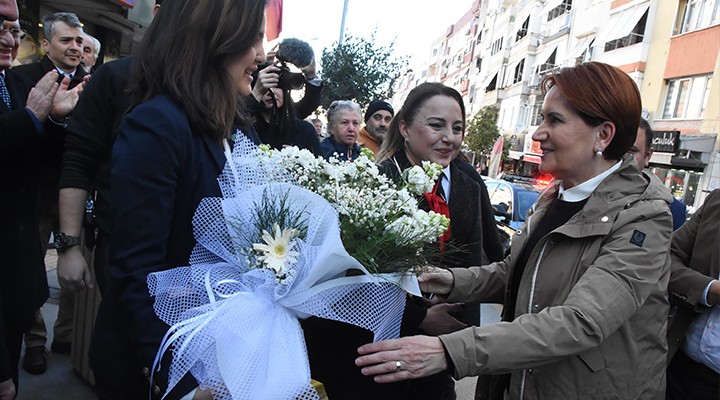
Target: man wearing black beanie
(377,119)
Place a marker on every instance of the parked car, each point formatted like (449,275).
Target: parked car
(511,202)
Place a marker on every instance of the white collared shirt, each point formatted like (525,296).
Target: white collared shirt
(584,190)
(63,73)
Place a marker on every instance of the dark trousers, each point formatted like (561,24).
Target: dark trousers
(100,264)
(13,344)
(687,379)
(111,391)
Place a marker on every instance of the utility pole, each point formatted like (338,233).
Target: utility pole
(342,24)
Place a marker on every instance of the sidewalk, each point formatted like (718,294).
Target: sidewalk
(59,382)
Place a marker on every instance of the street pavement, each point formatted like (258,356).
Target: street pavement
(61,382)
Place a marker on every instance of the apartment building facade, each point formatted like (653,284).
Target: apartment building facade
(669,48)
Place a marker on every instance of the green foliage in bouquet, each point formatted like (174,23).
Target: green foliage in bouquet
(275,228)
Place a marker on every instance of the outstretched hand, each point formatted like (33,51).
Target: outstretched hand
(405,358)
(436,280)
(439,319)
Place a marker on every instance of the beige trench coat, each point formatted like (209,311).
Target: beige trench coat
(592,303)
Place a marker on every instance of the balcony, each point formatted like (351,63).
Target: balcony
(626,41)
(547,68)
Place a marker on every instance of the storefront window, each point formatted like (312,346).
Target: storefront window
(682,184)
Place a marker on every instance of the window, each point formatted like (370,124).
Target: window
(519,71)
(549,65)
(687,98)
(479,37)
(496,46)
(563,8)
(699,14)
(706,96)
(523,31)
(493,84)
(536,115)
(468,48)
(635,36)
(500,197)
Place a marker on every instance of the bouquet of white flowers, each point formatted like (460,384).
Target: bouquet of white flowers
(270,252)
(381,225)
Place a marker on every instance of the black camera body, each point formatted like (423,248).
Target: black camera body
(289,80)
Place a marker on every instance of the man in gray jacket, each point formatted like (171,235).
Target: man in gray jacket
(694,327)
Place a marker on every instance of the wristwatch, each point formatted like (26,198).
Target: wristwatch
(64,242)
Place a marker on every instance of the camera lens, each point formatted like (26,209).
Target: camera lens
(296,81)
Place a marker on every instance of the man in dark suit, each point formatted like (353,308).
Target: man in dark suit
(694,291)
(24,111)
(63,48)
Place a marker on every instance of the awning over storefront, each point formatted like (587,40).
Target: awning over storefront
(702,143)
(515,155)
(622,23)
(531,158)
(693,151)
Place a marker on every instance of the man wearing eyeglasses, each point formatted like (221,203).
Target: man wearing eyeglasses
(26,138)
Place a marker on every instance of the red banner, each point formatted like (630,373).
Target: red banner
(273,19)
(495,156)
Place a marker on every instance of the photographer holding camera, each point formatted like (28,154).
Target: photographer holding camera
(278,120)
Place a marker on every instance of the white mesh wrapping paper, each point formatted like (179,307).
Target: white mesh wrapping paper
(234,328)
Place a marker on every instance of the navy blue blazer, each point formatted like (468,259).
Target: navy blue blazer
(161,169)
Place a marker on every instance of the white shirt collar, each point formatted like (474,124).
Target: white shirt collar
(445,182)
(63,73)
(584,190)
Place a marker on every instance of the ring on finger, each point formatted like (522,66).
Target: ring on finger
(398,366)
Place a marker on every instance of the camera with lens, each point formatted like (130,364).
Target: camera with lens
(298,53)
(289,80)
